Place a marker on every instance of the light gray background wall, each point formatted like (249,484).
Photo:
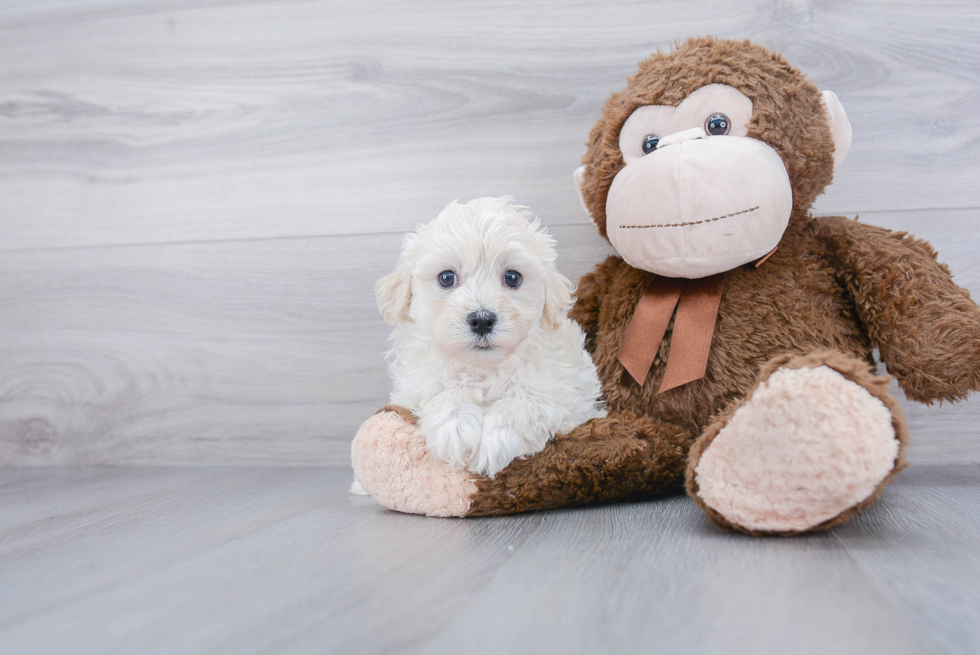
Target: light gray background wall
(197,197)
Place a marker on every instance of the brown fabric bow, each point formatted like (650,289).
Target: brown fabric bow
(697,303)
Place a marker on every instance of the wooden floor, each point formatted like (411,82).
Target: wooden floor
(195,201)
(279,560)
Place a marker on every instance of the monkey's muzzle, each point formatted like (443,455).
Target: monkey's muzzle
(699,205)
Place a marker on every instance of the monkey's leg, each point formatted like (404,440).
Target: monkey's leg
(814,442)
(620,457)
(605,460)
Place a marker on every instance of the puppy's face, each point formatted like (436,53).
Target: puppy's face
(476,280)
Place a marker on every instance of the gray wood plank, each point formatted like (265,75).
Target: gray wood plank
(276,560)
(931,523)
(324,549)
(215,353)
(93,527)
(171,121)
(264,352)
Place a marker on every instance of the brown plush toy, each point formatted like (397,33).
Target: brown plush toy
(734,333)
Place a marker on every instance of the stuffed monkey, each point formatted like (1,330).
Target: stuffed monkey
(734,332)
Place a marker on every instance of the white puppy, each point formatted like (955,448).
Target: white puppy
(484,352)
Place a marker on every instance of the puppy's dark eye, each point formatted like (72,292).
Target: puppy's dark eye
(717,125)
(512,279)
(650,143)
(447,279)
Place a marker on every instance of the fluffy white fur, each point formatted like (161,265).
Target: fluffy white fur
(482,402)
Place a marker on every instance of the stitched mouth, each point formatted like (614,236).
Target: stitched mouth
(706,220)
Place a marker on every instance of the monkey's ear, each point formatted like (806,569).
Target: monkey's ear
(394,293)
(579,176)
(840,127)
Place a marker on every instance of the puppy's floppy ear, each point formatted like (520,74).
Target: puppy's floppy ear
(558,291)
(394,293)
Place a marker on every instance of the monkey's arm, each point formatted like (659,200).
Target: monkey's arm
(588,298)
(926,328)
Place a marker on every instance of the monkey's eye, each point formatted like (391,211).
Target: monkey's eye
(650,143)
(513,279)
(447,279)
(717,125)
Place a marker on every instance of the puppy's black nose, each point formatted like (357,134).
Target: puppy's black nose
(482,322)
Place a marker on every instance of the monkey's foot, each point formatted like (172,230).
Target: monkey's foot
(813,443)
(392,463)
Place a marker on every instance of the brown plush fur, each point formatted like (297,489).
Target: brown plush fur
(619,458)
(833,285)
(924,326)
(403,412)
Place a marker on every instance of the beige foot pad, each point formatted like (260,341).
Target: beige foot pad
(808,445)
(392,464)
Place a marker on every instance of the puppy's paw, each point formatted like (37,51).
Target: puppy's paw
(454,435)
(499,446)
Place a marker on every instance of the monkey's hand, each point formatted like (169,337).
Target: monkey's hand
(926,328)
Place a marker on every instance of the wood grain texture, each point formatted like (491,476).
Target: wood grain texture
(196,198)
(262,352)
(247,352)
(166,560)
(164,121)
(927,553)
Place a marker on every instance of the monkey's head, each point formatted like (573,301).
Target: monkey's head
(698,165)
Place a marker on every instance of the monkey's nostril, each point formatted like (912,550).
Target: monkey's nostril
(481,322)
